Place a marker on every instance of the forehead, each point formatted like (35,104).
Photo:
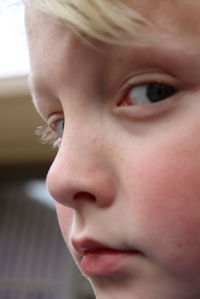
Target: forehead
(174,19)
(177,16)
(175,23)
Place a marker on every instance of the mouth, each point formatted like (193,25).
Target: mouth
(100,259)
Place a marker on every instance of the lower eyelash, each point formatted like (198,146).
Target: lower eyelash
(47,135)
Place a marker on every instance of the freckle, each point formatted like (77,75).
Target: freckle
(120,60)
(179,244)
(94,140)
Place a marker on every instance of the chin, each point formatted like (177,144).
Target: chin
(120,287)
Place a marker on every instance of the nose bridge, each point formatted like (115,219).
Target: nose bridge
(82,170)
(84,144)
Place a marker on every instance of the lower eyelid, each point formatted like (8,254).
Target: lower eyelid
(147,111)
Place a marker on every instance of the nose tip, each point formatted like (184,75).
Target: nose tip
(73,184)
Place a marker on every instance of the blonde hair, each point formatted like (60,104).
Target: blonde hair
(104,20)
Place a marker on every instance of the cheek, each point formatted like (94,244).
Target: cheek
(172,195)
(165,200)
(65,218)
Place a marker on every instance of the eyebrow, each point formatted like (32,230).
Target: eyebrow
(36,88)
(31,84)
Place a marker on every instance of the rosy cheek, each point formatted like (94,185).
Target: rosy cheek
(168,204)
(65,216)
(173,191)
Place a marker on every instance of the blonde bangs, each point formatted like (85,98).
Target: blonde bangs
(104,20)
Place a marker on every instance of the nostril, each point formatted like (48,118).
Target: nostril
(84,196)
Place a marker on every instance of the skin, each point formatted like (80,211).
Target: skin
(127,174)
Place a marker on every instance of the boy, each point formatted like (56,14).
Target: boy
(119,86)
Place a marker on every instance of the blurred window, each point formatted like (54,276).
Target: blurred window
(13,51)
(34,260)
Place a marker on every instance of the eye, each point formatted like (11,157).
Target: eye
(58,127)
(148,94)
(52,132)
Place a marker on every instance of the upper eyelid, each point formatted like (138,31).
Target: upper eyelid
(146,78)
(55,116)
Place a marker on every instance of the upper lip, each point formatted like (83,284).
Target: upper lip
(86,246)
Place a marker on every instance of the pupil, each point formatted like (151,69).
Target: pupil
(157,92)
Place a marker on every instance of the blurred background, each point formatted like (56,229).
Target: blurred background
(34,260)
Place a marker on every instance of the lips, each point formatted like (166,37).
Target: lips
(101,259)
(87,246)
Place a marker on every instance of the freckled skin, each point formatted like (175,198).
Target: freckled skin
(118,177)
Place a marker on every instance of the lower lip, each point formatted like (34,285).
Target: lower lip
(105,262)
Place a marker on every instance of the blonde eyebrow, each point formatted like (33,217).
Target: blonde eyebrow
(35,87)
(30,83)
(36,90)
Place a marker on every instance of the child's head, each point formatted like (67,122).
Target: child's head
(126,119)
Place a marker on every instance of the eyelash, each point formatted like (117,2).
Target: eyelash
(48,136)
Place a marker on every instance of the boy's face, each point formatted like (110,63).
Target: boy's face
(127,172)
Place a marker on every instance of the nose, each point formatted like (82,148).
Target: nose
(82,173)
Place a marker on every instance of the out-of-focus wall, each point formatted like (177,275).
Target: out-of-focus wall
(18,121)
